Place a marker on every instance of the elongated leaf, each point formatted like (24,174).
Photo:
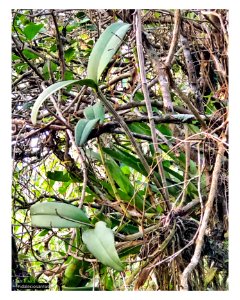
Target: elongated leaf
(79,129)
(29,54)
(210,274)
(52,89)
(126,158)
(104,49)
(83,129)
(100,242)
(121,179)
(87,130)
(55,214)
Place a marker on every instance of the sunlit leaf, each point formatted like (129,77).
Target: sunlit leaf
(31,30)
(104,49)
(69,54)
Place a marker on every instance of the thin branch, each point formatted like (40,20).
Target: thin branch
(155,103)
(192,77)
(193,109)
(59,45)
(24,75)
(149,107)
(187,164)
(176,29)
(162,72)
(200,239)
(26,60)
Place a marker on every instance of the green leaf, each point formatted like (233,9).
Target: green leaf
(117,174)
(99,112)
(83,129)
(138,96)
(57,215)
(80,15)
(104,49)
(100,242)
(209,276)
(69,54)
(68,75)
(95,112)
(126,158)
(58,176)
(54,88)
(89,113)
(72,276)
(43,232)
(15,57)
(29,54)
(20,67)
(31,30)
(141,128)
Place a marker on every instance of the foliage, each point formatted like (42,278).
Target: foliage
(120,161)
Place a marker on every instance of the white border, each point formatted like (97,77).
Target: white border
(5,136)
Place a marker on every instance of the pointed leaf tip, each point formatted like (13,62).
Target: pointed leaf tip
(54,88)
(100,242)
(104,49)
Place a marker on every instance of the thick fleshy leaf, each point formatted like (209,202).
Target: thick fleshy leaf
(100,242)
(57,215)
(89,113)
(104,49)
(99,112)
(79,129)
(52,89)
(83,129)
(95,112)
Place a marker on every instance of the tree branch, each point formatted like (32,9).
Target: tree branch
(200,239)
(157,150)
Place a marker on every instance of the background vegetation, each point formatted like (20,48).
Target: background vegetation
(165,199)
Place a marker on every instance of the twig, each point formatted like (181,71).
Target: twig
(115,79)
(162,72)
(155,103)
(59,45)
(200,239)
(189,104)
(187,164)
(192,77)
(22,77)
(149,107)
(26,60)
(176,29)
